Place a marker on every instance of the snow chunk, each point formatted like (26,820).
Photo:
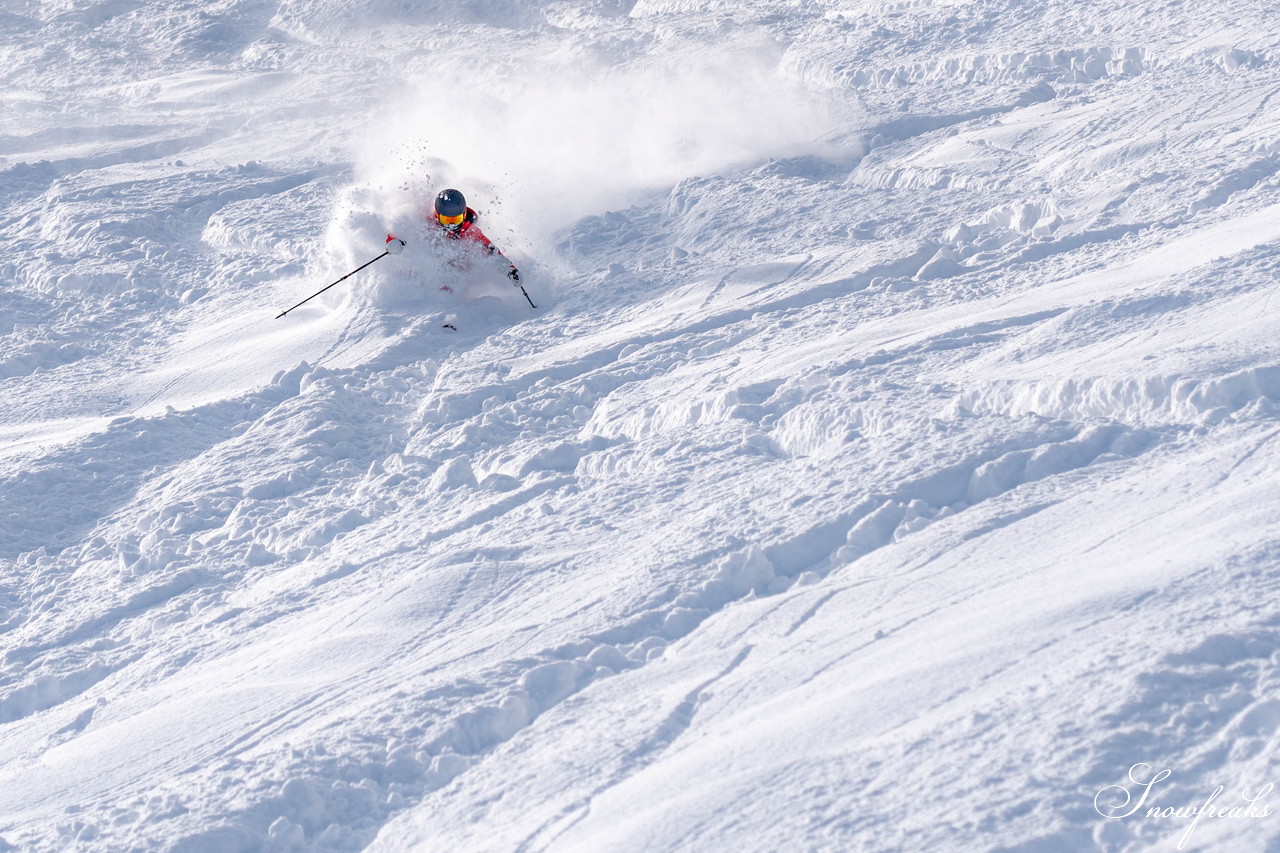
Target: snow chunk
(454,474)
(552,683)
(742,572)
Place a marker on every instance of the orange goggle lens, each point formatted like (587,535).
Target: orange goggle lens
(452,220)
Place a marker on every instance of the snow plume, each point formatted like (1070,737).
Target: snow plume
(538,143)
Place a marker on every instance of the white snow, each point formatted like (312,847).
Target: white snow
(890,462)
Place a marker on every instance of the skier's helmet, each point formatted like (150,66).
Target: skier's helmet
(451,209)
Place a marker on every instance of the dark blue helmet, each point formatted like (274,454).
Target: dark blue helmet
(450,203)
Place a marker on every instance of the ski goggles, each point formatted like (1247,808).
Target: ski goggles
(451,221)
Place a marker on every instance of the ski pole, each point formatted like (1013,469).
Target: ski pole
(526,294)
(323,289)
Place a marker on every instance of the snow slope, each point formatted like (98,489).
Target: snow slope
(889,464)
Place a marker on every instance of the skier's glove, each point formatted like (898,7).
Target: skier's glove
(514,275)
(394,244)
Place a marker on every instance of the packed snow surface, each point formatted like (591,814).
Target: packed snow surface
(890,463)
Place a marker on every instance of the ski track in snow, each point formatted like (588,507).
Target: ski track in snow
(892,473)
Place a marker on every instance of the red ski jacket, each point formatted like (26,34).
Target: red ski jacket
(468,231)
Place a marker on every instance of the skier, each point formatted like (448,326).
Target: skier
(458,222)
